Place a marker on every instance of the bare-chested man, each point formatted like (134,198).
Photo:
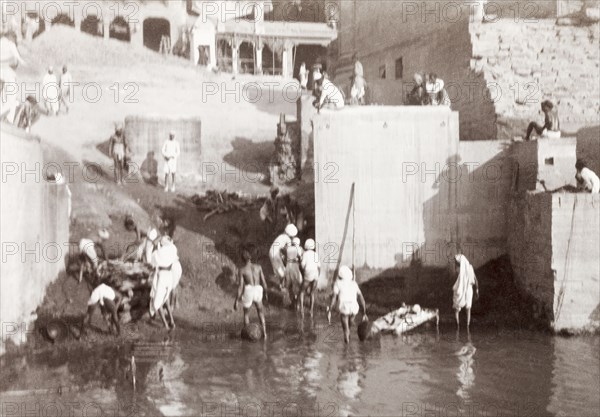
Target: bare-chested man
(116,150)
(551,127)
(252,287)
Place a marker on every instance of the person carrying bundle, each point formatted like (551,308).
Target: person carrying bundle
(88,254)
(276,251)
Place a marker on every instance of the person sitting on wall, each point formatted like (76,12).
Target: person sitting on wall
(417,96)
(331,96)
(551,127)
(587,180)
(436,93)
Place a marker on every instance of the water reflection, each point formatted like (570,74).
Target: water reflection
(466,374)
(312,372)
(571,384)
(165,386)
(508,373)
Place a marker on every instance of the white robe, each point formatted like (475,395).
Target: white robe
(164,281)
(463,287)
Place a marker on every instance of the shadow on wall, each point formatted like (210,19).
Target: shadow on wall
(588,147)
(250,156)
(501,302)
(467,214)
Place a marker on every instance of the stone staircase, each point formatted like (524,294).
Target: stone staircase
(526,63)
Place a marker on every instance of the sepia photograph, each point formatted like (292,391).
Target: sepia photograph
(300,208)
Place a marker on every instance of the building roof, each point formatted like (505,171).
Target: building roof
(227,9)
(298,32)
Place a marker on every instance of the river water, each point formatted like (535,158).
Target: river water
(305,369)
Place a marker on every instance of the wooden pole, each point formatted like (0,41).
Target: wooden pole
(350,204)
(353,229)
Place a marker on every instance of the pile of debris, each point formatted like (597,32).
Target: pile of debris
(217,202)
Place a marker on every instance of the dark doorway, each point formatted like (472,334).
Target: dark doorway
(62,19)
(119,29)
(246,58)
(154,29)
(203,55)
(224,55)
(92,25)
(271,62)
(309,54)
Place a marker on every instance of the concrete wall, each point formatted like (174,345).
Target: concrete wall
(588,147)
(34,232)
(483,193)
(148,134)
(554,242)
(530,246)
(397,161)
(528,62)
(428,191)
(575,255)
(549,160)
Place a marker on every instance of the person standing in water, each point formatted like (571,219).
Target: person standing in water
(293,276)
(463,289)
(311,269)
(347,295)
(252,289)
(276,252)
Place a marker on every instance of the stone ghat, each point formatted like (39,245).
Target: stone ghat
(532,62)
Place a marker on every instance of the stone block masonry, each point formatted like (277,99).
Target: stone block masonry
(528,62)
(554,247)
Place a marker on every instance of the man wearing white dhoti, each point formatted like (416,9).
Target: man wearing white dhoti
(463,288)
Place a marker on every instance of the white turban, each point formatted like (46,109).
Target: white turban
(345,273)
(291,230)
(309,244)
(152,234)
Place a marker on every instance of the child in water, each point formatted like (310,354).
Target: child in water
(347,294)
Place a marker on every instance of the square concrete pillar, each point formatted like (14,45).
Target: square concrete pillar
(258,64)
(234,58)
(106,29)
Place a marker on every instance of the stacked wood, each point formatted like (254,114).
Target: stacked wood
(128,275)
(216,202)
